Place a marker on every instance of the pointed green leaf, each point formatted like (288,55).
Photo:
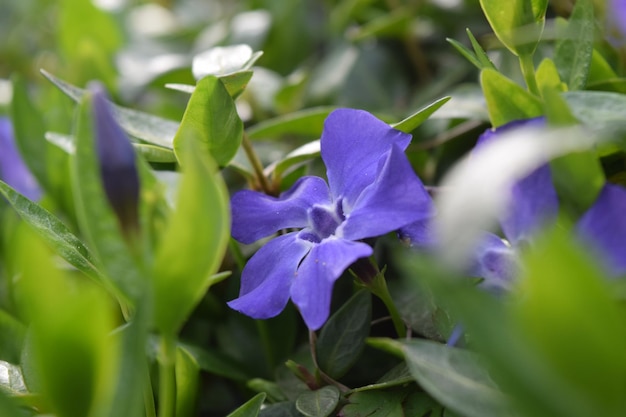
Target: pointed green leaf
(548,77)
(307,122)
(211,119)
(416,119)
(235,84)
(342,338)
(251,408)
(319,403)
(194,241)
(95,215)
(464,50)
(506,100)
(53,231)
(481,55)
(574,48)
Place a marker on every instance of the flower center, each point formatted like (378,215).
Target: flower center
(324,220)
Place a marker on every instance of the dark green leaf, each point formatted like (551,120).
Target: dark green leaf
(382,403)
(575,46)
(283,409)
(416,119)
(318,403)
(342,338)
(53,231)
(217,363)
(13,333)
(212,121)
(251,408)
(268,387)
(400,375)
(307,123)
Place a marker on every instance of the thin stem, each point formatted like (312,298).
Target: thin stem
(148,397)
(322,374)
(379,289)
(167,376)
(528,70)
(256,164)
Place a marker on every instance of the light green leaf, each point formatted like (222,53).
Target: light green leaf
(153,153)
(235,84)
(416,119)
(191,249)
(187,383)
(319,403)
(574,47)
(211,119)
(465,51)
(547,76)
(297,156)
(13,334)
(597,108)
(251,408)
(506,100)
(307,123)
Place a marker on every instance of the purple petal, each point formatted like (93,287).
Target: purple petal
(603,227)
(353,142)
(419,234)
(396,198)
(312,289)
(268,275)
(495,262)
(533,199)
(617,14)
(117,161)
(256,215)
(13,170)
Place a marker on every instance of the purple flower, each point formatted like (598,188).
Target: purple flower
(616,13)
(371,190)
(13,170)
(117,161)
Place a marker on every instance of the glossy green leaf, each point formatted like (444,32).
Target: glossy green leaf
(187,383)
(70,324)
(307,123)
(95,215)
(597,108)
(416,119)
(455,377)
(251,408)
(517,23)
(211,119)
(53,231)
(13,333)
(319,403)
(342,338)
(506,100)
(548,77)
(574,47)
(147,127)
(191,249)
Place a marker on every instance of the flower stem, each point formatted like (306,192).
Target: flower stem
(167,376)
(256,164)
(528,70)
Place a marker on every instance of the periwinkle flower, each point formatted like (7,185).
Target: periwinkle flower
(371,190)
(616,13)
(116,158)
(13,170)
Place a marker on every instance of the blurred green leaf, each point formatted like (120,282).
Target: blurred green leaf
(216,362)
(597,108)
(319,403)
(191,249)
(456,377)
(13,333)
(235,84)
(395,24)
(548,77)
(53,231)
(465,51)
(211,119)
(251,408)
(574,47)
(308,122)
(506,100)
(147,127)
(153,153)
(8,406)
(517,23)
(271,389)
(187,383)
(416,119)
(297,156)
(342,338)
(95,216)
(481,55)
(400,375)
(401,401)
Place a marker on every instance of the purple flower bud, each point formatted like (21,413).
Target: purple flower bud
(117,161)
(13,170)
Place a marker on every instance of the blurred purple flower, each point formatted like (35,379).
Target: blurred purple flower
(371,190)
(13,170)
(616,13)
(117,161)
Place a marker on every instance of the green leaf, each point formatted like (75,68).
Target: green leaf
(394,24)
(187,383)
(95,216)
(251,408)
(270,388)
(191,249)
(455,377)
(211,119)
(401,401)
(13,334)
(517,23)
(319,403)
(485,62)
(153,153)
(416,119)
(574,47)
(8,406)
(53,231)
(464,50)
(597,108)
(398,375)
(235,84)
(294,158)
(548,77)
(342,338)
(307,123)
(216,362)
(506,100)
(149,128)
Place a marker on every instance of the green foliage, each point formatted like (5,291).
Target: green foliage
(506,100)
